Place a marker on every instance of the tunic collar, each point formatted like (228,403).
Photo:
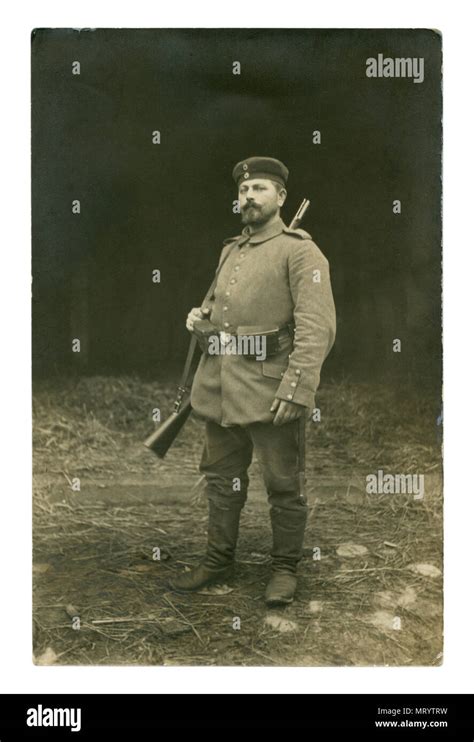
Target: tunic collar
(265,234)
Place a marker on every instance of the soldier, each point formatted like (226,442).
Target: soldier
(272,282)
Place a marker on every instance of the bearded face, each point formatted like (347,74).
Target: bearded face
(260,200)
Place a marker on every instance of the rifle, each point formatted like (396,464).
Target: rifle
(162,438)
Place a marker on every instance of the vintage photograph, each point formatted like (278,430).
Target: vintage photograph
(237,347)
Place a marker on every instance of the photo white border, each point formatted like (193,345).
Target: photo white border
(18,674)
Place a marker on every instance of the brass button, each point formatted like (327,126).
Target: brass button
(293,383)
(237,268)
(226,324)
(289,396)
(233,280)
(227,293)
(224,309)
(297,371)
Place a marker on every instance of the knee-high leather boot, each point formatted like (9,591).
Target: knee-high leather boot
(222,534)
(288,514)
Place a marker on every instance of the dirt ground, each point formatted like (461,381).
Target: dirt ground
(370,585)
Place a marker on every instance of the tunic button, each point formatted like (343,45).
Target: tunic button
(297,371)
(289,396)
(233,280)
(227,293)
(226,324)
(224,309)
(293,383)
(237,268)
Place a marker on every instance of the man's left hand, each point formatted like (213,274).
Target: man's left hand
(286,411)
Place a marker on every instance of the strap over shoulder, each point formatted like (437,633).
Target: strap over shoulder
(225,252)
(231,239)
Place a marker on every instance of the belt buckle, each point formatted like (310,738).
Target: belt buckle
(225,337)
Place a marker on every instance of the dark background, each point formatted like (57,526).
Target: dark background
(169,206)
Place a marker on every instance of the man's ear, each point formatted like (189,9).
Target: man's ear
(282,197)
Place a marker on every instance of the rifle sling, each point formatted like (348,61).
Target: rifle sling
(185,377)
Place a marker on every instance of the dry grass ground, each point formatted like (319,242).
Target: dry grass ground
(101,595)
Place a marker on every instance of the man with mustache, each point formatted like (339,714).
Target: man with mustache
(275,281)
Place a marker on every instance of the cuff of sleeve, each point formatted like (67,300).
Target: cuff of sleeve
(292,389)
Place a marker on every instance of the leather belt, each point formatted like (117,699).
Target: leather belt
(283,333)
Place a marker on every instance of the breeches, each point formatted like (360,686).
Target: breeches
(228,454)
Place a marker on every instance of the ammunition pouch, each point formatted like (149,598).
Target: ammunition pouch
(204,329)
(274,340)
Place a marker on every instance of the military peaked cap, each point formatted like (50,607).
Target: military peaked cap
(260,167)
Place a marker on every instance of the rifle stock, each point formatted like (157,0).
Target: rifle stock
(162,438)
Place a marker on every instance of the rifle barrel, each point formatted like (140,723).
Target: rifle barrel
(298,218)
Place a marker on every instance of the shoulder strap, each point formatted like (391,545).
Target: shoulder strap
(297,232)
